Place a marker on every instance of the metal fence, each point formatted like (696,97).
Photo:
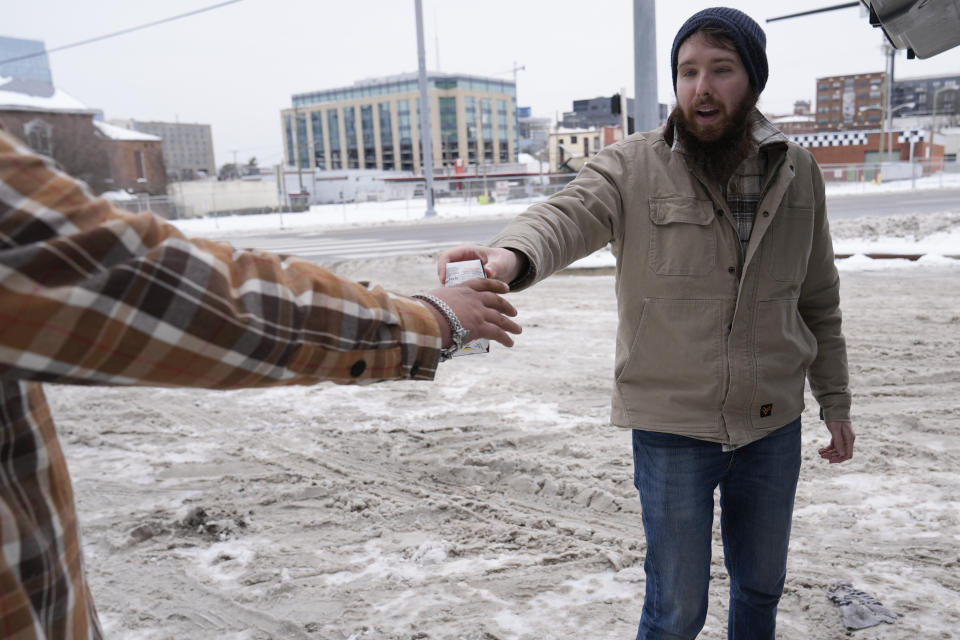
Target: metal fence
(497,189)
(173,208)
(161,205)
(840,178)
(915,174)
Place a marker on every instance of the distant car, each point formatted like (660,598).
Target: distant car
(923,27)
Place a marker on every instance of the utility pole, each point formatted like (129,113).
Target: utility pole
(892,52)
(878,177)
(646,107)
(515,69)
(426,139)
(624,116)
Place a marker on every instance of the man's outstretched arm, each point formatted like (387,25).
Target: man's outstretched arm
(93,294)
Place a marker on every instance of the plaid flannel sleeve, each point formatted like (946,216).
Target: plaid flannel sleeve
(92,294)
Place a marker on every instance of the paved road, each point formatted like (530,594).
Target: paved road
(886,204)
(341,244)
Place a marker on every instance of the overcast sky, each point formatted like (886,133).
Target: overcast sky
(236,67)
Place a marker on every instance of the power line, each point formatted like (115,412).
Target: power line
(121,32)
(845,5)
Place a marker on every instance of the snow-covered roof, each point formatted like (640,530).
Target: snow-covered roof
(34,95)
(114,132)
(117,196)
(569,130)
(795,118)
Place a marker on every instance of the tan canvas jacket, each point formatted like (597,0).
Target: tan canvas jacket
(711,344)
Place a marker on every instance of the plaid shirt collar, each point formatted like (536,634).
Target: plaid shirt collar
(745,187)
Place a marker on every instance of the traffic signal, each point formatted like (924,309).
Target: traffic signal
(615,104)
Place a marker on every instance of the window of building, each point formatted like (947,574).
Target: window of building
(504,154)
(573,139)
(288,133)
(406,135)
(486,125)
(303,145)
(316,124)
(369,140)
(470,120)
(386,136)
(39,136)
(333,134)
(140,166)
(350,131)
(448,131)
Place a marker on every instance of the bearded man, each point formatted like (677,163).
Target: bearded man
(728,299)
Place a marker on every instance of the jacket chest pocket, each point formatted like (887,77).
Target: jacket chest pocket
(791,237)
(683,238)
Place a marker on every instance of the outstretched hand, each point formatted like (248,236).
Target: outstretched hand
(498,263)
(480,309)
(841,442)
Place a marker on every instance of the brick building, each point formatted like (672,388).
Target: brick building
(850,102)
(862,148)
(57,125)
(136,159)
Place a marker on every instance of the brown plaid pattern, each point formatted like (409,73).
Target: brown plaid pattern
(93,295)
(745,187)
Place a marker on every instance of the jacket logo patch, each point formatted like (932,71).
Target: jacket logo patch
(766,410)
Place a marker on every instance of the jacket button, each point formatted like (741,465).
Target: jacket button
(732,269)
(766,214)
(415,369)
(358,368)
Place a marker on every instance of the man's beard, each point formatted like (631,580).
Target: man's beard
(716,150)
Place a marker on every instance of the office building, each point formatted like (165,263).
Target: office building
(857,101)
(916,96)
(375,124)
(29,60)
(595,113)
(533,132)
(850,102)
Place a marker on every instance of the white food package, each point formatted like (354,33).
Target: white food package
(458,272)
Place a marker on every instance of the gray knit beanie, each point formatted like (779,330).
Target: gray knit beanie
(748,38)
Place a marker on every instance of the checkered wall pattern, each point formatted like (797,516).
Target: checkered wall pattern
(853,138)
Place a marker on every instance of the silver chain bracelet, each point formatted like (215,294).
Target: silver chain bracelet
(458,334)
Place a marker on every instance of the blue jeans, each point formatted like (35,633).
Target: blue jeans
(676,477)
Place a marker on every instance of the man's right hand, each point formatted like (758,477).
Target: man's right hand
(479,309)
(498,263)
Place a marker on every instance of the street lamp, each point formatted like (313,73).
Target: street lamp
(886,132)
(933,120)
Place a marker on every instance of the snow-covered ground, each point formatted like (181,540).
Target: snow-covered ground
(497,503)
